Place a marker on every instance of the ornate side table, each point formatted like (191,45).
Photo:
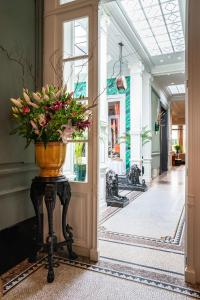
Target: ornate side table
(48,188)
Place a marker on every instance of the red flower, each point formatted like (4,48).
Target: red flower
(74,113)
(82,125)
(25,109)
(57,105)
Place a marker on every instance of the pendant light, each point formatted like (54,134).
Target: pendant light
(121,80)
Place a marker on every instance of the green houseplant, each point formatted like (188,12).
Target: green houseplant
(177,147)
(146,135)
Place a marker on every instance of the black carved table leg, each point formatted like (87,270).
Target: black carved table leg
(64,192)
(50,200)
(49,188)
(67,233)
(36,198)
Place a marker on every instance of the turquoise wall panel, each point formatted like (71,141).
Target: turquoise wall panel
(112,90)
(80,89)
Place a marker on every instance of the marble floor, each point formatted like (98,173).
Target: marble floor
(155,213)
(146,238)
(141,254)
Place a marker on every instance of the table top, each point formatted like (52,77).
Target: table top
(50,179)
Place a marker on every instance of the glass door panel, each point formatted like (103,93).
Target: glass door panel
(75,62)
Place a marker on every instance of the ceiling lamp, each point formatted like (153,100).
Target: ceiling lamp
(121,80)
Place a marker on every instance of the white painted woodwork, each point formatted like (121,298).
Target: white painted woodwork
(103,107)
(136,90)
(146,122)
(192,271)
(82,215)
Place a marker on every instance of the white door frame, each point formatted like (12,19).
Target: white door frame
(83,207)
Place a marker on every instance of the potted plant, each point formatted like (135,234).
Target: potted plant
(80,164)
(50,118)
(177,147)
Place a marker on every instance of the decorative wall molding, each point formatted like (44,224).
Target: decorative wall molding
(17,168)
(17,189)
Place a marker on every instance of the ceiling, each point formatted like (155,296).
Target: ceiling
(158,23)
(163,81)
(166,68)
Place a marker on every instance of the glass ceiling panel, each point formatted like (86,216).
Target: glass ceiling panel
(158,24)
(177,89)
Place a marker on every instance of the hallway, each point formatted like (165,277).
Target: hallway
(155,214)
(146,237)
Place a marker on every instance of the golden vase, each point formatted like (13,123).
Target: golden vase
(50,158)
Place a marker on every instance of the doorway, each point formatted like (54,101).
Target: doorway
(149,232)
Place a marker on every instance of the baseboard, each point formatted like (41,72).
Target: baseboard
(190,275)
(94,254)
(82,251)
(16,244)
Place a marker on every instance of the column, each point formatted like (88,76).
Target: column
(103,109)
(136,90)
(169,137)
(147,124)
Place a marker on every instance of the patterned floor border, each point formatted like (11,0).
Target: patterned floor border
(23,275)
(188,291)
(176,240)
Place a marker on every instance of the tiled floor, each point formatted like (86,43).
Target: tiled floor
(137,265)
(146,237)
(155,213)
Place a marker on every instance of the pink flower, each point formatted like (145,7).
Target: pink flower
(25,109)
(36,130)
(33,124)
(66,133)
(42,120)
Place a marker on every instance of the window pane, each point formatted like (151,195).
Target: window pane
(75,38)
(65,1)
(76,164)
(76,77)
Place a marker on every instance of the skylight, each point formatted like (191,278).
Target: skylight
(177,89)
(158,24)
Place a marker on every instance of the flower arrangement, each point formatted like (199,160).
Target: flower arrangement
(51,114)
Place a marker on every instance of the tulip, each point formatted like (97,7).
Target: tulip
(58,93)
(64,89)
(46,97)
(33,105)
(15,110)
(26,97)
(43,90)
(36,97)
(47,88)
(16,102)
